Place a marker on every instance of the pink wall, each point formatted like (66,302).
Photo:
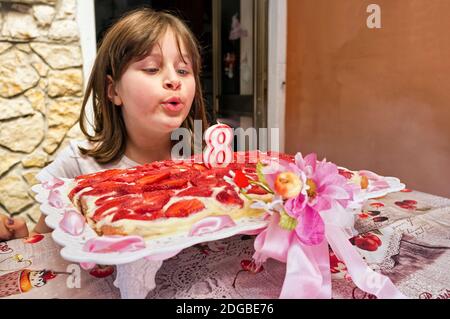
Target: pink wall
(376,99)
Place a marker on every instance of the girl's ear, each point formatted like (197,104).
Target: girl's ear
(112,93)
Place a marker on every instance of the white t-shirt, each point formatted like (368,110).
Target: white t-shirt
(70,163)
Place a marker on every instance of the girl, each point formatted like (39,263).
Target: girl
(145,83)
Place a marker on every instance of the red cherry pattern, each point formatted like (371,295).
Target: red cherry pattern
(248,266)
(101,271)
(380,219)
(4,248)
(34,239)
(407,204)
(368,241)
(376,205)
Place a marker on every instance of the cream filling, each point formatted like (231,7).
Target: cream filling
(172,225)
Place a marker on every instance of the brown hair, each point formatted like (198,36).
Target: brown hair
(129,40)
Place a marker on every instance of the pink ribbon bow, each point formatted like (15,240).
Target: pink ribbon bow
(308,272)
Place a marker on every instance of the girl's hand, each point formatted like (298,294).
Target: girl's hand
(12,228)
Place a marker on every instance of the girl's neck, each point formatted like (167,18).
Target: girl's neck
(144,151)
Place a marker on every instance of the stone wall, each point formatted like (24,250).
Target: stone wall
(40,94)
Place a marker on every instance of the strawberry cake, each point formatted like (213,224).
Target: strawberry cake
(167,197)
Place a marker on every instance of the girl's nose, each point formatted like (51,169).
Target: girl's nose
(173,84)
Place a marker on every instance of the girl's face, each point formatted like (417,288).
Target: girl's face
(156,93)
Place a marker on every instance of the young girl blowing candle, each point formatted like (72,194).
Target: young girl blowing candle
(145,83)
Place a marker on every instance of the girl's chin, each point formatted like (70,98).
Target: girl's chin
(172,125)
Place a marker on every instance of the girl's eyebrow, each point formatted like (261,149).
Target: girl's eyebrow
(146,59)
(185,58)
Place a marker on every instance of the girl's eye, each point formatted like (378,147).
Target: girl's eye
(152,70)
(183,72)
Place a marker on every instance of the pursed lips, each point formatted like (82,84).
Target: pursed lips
(173,104)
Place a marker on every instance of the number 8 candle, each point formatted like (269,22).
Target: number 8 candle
(218,152)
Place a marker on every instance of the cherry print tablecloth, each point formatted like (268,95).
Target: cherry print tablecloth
(404,235)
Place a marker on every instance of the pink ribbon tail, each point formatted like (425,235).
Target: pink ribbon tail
(307,272)
(362,275)
(273,242)
(308,267)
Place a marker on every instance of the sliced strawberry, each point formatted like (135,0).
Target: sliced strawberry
(199,167)
(184,208)
(199,191)
(188,175)
(103,200)
(205,180)
(145,167)
(147,211)
(230,197)
(154,178)
(222,183)
(285,157)
(156,165)
(107,186)
(157,199)
(121,191)
(257,190)
(129,189)
(134,204)
(127,178)
(110,187)
(166,184)
(101,176)
(168,163)
(240,179)
(234,166)
(76,190)
(221,172)
(81,185)
(180,166)
(121,214)
(117,203)
(132,215)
